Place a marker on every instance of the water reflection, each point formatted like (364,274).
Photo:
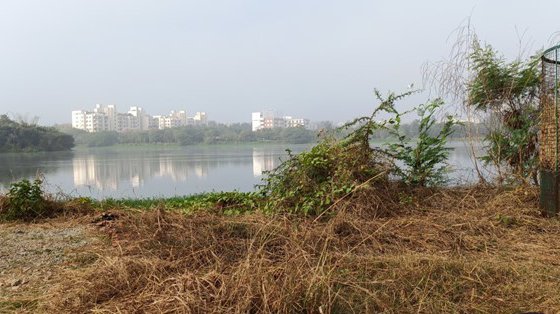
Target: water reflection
(146,172)
(151,172)
(109,172)
(264,160)
(14,167)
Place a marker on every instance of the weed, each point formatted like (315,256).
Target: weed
(425,161)
(24,201)
(222,202)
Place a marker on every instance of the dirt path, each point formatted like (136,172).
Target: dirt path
(33,255)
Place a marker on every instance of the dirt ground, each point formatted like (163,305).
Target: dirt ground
(32,256)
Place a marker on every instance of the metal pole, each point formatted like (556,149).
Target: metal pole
(556,104)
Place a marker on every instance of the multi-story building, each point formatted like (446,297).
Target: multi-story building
(257,121)
(296,122)
(271,120)
(166,122)
(107,118)
(111,112)
(173,120)
(90,121)
(79,119)
(200,118)
(127,122)
(145,121)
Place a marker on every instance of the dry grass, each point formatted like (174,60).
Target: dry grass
(451,250)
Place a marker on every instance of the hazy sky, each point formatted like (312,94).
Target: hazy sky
(310,58)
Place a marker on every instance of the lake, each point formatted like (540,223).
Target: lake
(152,171)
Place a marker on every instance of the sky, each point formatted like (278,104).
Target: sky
(318,59)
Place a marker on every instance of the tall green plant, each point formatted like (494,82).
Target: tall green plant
(24,201)
(509,93)
(424,161)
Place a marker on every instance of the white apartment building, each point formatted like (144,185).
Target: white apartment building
(180,118)
(296,122)
(166,122)
(107,118)
(257,121)
(173,120)
(200,118)
(90,121)
(270,120)
(111,112)
(127,122)
(145,121)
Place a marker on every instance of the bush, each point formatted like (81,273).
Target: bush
(24,137)
(425,162)
(311,182)
(509,92)
(24,201)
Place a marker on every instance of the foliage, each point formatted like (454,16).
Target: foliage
(515,146)
(22,137)
(24,201)
(312,181)
(425,161)
(223,202)
(192,135)
(224,134)
(509,92)
(103,139)
(502,86)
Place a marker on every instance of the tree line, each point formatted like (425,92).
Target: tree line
(191,135)
(28,137)
(216,133)
(20,136)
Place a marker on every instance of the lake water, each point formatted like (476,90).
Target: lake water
(123,172)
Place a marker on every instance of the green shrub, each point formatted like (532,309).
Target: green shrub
(233,202)
(508,91)
(311,182)
(25,201)
(424,161)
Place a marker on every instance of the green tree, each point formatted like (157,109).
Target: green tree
(21,137)
(425,160)
(509,92)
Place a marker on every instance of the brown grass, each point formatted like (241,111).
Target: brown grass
(429,251)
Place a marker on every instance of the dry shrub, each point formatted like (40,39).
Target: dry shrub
(448,250)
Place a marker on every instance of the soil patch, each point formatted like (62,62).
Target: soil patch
(32,257)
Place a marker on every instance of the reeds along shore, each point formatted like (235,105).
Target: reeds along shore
(428,251)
